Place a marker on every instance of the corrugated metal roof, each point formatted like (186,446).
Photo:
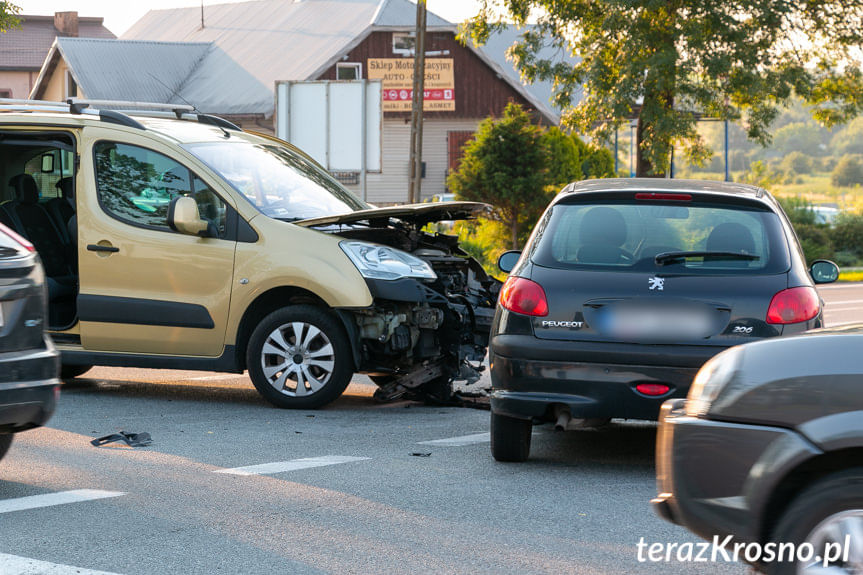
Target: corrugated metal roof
(402,13)
(495,49)
(26,48)
(135,71)
(271,39)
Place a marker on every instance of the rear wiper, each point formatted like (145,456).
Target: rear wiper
(671,257)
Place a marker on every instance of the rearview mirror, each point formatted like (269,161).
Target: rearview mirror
(507,260)
(47,163)
(183,217)
(824,271)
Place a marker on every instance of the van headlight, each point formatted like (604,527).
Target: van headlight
(710,381)
(384,263)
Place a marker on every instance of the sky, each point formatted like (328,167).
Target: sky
(121,14)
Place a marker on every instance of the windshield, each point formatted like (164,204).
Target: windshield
(695,238)
(279,182)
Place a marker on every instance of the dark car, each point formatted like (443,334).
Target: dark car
(28,361)
(626,288)
(768,449)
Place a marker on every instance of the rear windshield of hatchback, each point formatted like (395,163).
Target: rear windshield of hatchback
(632,235)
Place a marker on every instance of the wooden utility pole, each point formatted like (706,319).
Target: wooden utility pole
(416,154)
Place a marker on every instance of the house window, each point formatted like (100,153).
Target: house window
(349,71)
(4,93)
(71,86)
(404,43)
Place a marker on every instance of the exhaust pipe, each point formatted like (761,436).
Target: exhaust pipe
(562,416)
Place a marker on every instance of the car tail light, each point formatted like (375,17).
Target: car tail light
(653,388)
(523,296)
(20,239)
(794,305)
(662,196)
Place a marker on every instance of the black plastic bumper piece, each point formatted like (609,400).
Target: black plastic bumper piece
(405,289)
(530,389)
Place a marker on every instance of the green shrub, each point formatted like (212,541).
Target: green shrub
(798,210)
(815,241)
(848,233)
(846,259)
(797,163)
(848,172)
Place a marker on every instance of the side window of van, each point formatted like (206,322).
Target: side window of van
(136,185)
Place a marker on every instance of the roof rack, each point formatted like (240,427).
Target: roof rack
(118,111)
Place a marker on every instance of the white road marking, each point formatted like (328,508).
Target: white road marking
(213,377)
(49,499)
(292,465)
(840,286)
(459,441)
(23,566)
(844,302)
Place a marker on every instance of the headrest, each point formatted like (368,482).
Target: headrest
(603,225)
(26,191)
(66,187)
(731,237)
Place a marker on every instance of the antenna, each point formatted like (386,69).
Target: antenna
(202,14)
(173,92)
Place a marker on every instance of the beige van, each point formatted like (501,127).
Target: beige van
(172,239)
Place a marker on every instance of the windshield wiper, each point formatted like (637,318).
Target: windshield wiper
(671,257)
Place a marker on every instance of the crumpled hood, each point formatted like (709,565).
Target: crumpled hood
(414,214)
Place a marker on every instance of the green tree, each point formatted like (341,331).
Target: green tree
(849,140)
(505,165)
(797,163)
(848,172)
(667,61)
(565,154)
(803,137)
(8,19)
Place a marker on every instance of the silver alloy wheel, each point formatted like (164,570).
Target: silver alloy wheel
(297,359)
(836,529)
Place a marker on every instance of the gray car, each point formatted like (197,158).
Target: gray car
(28,360)
(768,449)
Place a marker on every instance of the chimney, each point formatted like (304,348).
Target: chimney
(66,23)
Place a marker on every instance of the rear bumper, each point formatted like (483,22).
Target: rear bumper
(530,376)
(28,387)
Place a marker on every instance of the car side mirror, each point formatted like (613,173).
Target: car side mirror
(507,260)
(824,271)
(183,217)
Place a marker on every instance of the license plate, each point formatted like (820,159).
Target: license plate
(664,323)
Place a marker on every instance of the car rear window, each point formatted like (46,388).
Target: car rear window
(628,235)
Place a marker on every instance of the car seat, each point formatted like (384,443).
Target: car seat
(730,237)
(603,232)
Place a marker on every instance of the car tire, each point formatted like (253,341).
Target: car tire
(510,438)
(5,442)
(321,347)
(819,509)
(73,371)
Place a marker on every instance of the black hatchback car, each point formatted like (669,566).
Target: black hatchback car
(768,450)
(626,288)
(29,363)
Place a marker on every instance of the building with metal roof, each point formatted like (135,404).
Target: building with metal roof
(23,50)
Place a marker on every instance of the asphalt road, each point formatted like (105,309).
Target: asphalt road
(357,501)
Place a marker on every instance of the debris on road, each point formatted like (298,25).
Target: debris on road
(130,439)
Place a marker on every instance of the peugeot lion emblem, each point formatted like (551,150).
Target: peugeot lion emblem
(657,283)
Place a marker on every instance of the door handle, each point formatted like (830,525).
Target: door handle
(99,248)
